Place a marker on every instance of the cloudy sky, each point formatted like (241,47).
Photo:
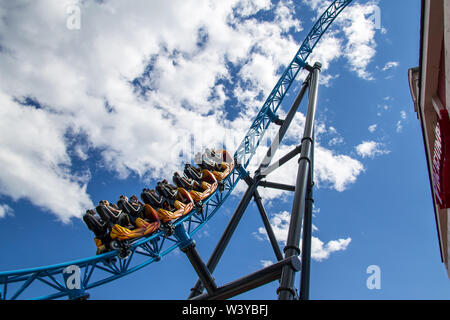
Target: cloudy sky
(103,98)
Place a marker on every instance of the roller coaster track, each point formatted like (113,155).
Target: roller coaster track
(100,269)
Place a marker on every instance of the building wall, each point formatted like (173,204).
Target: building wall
(433,96)
(446,57)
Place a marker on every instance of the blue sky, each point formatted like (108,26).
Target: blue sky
(103,110)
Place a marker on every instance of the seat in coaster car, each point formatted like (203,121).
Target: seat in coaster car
(168,191)
(193,172)
(95,224)
(186,183)
(112,215)
(132,208)
(154,199)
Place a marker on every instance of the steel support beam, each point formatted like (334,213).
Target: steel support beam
(276,185)
(307,233)
(286,290)
(188,247)
(202,270)
(226,236)
(252,281)
(287,271)
(282,131)
(269,230)
(281,161)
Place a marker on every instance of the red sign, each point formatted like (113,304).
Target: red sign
(441,161)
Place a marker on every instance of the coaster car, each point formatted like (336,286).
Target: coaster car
(227,164)
(112,215)
(131,206)
(99,228)
(193,172)
(145,219)
(206,161)
(113,223)
(198,190)
(219,162)
(170,202)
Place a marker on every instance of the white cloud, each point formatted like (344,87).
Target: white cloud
(285,16)
(325,79)
(370,149)
(359,47)
(372,127)
(403,114)
(335,141)
(399,126)
(390,65)
(266,263)
(360,31)
(81,79)
(335,170)
(5,210)
(331,169)
(249,7)
(319,250)
(136,84)
(35,162)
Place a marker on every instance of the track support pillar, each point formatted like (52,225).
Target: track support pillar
(188,247)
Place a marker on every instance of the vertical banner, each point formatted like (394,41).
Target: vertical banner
(441,161)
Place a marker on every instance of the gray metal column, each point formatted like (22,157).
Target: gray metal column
(286,291)
(282,131)
(270,233)
(251,281)
(226,236)
(199,267)
(281,161)
(307,233)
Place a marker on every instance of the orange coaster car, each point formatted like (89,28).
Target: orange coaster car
(99,228)
(198,191)
(183,205)
(147,222)
(171,202)
(227,165)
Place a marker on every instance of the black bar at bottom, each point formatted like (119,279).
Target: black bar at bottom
(252,281)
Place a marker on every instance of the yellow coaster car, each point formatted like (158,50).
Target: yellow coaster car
(198,190)
(171,202)
(183,205)
(144,227)
(100,228)
(129,220)
(227,165)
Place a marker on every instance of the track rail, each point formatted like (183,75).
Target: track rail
(101,269)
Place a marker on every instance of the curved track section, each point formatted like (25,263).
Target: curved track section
(97,270)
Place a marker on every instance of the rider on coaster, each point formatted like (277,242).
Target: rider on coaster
(111,214)
(215,157)
(133,207)
(169,192)
(155,200)
(193,173)
(99,228)
(207,162)
(186,182)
